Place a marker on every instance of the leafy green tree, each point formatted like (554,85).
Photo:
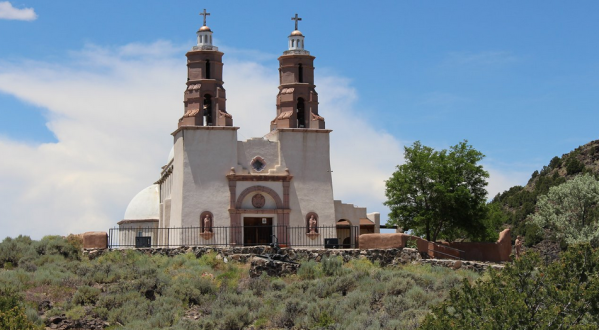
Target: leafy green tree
(527,295)
(439,194)
(570,209)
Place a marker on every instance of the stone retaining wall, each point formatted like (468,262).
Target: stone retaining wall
(384,257)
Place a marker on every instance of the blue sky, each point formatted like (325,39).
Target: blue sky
(89,91)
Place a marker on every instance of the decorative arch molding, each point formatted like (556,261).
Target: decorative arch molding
(262,189)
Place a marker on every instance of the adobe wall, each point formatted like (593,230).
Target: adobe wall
(495,252)
(383,241)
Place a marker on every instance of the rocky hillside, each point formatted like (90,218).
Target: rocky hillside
(519,202)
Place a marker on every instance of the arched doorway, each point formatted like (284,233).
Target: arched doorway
(344,233)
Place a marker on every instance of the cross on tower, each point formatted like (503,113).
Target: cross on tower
(208,14)
(296,19)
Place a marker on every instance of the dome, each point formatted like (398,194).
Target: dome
(296,33)
(145,205)
(205,28)
(171,155)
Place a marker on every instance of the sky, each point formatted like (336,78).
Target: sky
(91,90)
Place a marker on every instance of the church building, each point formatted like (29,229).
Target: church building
(217,190)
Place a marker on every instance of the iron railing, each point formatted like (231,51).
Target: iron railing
(154,237)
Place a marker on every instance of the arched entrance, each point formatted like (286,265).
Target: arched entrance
(257,225)
(345,234)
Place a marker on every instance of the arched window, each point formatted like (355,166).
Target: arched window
(207,69)
(301,116)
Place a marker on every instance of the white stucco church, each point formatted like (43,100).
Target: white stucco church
(216,190)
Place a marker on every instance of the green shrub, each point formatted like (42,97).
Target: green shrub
(56,245)
(13,250)
(540,296)
(278,284)
(76,313)
(16,319)
(86,295)
(533,234)
(332,266)
(308,270)
(573,165)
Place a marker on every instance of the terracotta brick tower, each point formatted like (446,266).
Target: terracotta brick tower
(205,98)
(297,101)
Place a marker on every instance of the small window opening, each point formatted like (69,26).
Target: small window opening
(208,109)
(258,163)
(207,69)
(300,76)
(301,118)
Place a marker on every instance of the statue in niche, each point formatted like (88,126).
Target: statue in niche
(312,224)
(207,224)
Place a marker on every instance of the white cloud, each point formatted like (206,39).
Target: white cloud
(7,11)
(112,111)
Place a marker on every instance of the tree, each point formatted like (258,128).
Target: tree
(570,209)
(439,194)
(527,295)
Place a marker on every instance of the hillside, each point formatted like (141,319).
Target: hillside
(51,284)
(519,202)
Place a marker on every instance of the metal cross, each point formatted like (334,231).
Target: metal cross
(208,14)
(296,19)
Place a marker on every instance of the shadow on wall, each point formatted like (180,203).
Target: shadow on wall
(496,252)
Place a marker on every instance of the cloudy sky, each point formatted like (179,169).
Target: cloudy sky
(90,91)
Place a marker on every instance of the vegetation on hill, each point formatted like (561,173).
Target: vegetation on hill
(518,203)
(528,294)
(128,289)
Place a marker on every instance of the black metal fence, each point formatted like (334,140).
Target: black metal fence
(145,237)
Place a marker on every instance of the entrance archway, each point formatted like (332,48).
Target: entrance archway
(344,233)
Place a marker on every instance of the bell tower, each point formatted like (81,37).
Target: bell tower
(297,101)
(205,98)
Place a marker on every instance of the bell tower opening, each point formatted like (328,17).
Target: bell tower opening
(297,100)
(205,97)
(301,114)
(208,110)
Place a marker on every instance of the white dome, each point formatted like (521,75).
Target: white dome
(145,205)
(171,155)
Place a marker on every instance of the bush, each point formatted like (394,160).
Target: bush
(573,165)
(332,266)
(86,295)
(15,318)
(308,270)
(540,296)
(13,250)
(56,245)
